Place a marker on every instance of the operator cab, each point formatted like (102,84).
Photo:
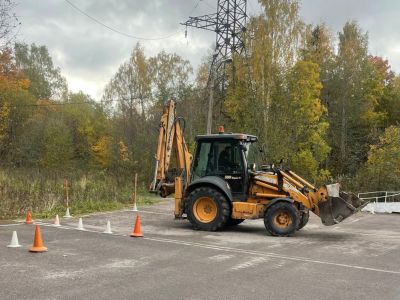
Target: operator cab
(224,155)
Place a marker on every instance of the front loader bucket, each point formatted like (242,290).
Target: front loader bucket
(339,205)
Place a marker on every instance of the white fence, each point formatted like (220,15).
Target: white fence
(381,201)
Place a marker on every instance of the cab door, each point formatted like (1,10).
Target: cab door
(230,165)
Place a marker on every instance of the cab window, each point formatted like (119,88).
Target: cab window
(202,160)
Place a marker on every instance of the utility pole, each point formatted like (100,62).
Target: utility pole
(210,103)
(229,24)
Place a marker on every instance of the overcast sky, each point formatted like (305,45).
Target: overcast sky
(89,54)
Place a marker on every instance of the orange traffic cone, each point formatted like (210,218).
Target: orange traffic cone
(28,219)
(37,242)
(137,231)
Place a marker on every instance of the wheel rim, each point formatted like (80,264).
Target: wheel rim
(282,219)
(205,209)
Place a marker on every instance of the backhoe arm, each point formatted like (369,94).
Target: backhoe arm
(171,140)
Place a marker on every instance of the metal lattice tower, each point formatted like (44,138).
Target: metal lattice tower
(229,23)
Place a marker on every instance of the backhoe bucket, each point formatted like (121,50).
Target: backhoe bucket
(339,206)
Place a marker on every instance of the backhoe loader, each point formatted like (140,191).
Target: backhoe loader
(220,186)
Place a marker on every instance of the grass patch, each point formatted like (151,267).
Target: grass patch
(86,207)
(42,193)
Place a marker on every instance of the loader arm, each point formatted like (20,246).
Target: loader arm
(328,202)
(171,141)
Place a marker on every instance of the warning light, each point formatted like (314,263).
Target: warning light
(221,129)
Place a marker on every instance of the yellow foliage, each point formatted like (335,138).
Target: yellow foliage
(4,113)
(386,154)
(123,151)
(101,150)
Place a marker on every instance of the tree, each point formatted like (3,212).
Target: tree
(169,75)
(14,97)
(306,128)
(254,95)
(57,145)
(317,47)
(355,91)
(390,103)
(130,87)
(8,24)
(46,81)
(383,164)
(87,123)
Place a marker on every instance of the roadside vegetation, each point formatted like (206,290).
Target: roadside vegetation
(43,193)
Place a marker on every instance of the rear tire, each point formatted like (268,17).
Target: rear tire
(207,209)
(304,216)
(281,219)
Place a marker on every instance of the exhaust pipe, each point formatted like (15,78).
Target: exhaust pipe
(339,205)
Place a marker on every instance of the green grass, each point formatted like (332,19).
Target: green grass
(42,193)
(86,207)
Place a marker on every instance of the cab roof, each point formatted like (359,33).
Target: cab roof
(228,136)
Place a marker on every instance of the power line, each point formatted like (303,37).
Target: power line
(118,31)
(208,4)
(194,7)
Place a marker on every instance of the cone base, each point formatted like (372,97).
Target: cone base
(38,249)
(67,217)
(136,235)
(13,246)
(28,222)
(109,232)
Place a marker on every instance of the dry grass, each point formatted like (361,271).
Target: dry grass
(42,192)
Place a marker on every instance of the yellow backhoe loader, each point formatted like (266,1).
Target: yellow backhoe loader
(221,187)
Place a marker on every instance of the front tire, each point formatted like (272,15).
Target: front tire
(304,216)
(281,219)
(207,209)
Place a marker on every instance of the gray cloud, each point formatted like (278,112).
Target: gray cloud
(381,19)
(90,54)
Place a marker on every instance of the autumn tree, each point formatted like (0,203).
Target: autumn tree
(253,101)
(355,92)
(317,47)
(14,100)
(305,125)
(383,164)
(389,104)
(87,124)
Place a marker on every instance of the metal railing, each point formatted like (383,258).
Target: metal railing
(380,196)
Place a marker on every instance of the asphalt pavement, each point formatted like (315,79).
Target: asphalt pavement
(357,259)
